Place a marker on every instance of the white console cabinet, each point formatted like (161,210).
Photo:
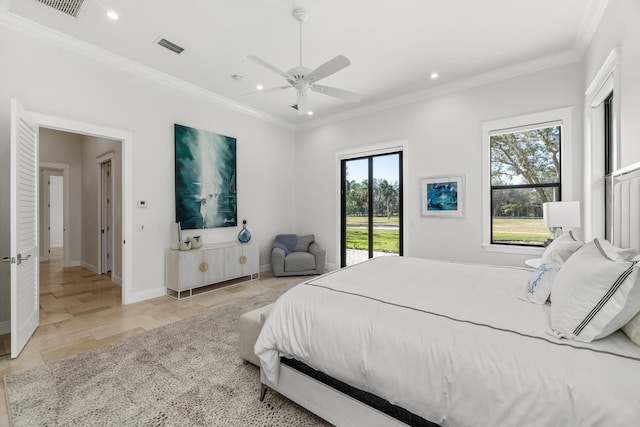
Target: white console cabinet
(211,264)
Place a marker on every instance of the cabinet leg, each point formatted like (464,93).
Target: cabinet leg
(263,391)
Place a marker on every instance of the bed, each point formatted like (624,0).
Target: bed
(407,341)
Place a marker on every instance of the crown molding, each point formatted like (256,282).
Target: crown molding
(46,34)
(23,25)
(524,68)
(589,25)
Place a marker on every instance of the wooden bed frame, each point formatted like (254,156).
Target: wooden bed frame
(341,409)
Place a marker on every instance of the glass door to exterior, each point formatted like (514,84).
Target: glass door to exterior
(371,207)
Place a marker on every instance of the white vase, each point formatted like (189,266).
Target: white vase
(175,235)
(196,242)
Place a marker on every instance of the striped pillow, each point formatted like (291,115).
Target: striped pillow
(595,293)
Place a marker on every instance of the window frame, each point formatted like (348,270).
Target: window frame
(562,115)
(401,145)
(605,82)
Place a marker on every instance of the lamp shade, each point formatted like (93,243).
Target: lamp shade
(561,214)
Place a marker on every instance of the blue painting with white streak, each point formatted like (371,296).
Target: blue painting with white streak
(205,179)
(442,196)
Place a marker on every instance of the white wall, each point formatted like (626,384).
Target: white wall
(444,137)
(65,148)
(57,81)
(620,27)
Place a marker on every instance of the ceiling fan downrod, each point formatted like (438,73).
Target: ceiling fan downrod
(301,15)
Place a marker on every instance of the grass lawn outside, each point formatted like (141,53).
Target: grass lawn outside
(508,230)
(526,230)
(383,240)
(377,220)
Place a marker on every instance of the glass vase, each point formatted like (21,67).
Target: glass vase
(244,235)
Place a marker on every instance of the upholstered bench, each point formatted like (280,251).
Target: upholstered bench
(250,326)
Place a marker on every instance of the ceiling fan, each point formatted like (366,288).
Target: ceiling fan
(303,79)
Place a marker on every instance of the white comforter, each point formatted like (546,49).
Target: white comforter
(453,344)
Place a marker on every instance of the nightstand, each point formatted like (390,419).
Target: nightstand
(533,262)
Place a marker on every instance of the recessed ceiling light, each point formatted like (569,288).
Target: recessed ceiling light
(259,87)
(310,113)
(112,15)
(434,75)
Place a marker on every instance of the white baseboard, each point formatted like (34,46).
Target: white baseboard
(116,279)
(5,327)
(89,267)
(145,295)
(265,267)
(75,263)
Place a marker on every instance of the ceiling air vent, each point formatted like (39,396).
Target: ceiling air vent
(171,46)
(70,7)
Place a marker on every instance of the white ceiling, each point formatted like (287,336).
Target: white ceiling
(393,45)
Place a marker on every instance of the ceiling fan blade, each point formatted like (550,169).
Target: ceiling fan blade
(303,103)
(338,93)
(270,67)
(271,89)
(331,66)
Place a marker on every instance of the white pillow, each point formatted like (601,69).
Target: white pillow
(559,251)
(632,329)
(594,294)
(538,288)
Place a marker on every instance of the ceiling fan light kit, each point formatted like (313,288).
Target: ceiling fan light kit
(303,79)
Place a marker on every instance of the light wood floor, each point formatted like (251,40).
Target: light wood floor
(80,310)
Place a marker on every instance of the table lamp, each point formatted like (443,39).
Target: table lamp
(560,215)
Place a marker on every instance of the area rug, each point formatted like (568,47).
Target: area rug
(187,373)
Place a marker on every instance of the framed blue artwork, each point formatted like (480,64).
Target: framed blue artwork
(205,179)
(442,196)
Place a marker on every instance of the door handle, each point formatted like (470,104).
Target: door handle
(20,258)
(7,259)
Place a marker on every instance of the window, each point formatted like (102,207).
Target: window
(609,167)
(524,169)
(525,173)
(602,132)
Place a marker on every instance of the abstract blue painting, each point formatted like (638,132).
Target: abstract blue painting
(442,196)
(205,179)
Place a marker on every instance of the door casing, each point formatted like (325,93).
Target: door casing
(392,146)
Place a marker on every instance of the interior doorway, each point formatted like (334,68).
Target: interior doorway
(123,173)
(60,174)
(52,212)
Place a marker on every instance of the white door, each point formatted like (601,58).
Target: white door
(24,228)
(106,217)
(45,185)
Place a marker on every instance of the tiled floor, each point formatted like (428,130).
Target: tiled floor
(80,310)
